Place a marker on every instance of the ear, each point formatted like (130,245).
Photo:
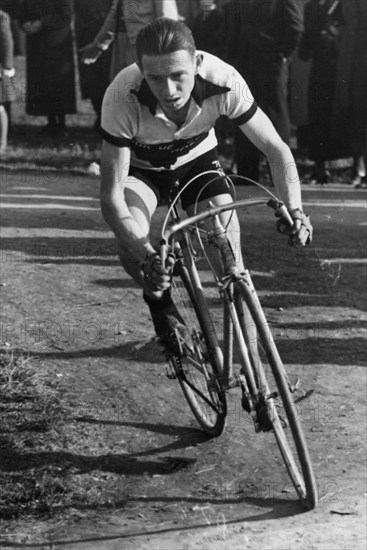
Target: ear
(198,61)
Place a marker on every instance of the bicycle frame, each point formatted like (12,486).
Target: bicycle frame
(226,283)
(262,392)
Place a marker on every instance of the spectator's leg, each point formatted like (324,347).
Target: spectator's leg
(97,106)
(61,120)
(273,79)
(4,126)
(52,121)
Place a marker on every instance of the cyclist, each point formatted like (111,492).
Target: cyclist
(158,119)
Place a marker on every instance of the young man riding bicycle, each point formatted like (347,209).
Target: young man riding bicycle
(157,126)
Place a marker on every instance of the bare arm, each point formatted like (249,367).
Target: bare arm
(115,162)
(283,168)
(103,39)
(260,130)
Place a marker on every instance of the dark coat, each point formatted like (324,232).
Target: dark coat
(264,29)
(89,18)
(259,37)
(320,42)
(206,32)
(50,61)
(349,120)
(11,7)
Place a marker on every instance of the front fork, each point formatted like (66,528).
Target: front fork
(232,332)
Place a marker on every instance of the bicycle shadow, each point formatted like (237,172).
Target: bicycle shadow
(278,510)
(188,437)
(147,351)
(120,463)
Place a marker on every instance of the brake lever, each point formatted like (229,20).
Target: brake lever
(281,210)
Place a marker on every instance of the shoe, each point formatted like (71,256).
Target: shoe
(361,183)
(168,324)
(325,178)
(356,181)
(320,178)
(94,169)
(320,173)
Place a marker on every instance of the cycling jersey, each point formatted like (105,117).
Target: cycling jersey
(132,117)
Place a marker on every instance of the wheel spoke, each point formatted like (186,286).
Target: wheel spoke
(196,374)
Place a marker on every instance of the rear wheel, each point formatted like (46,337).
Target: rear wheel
(273,407)
(199,367)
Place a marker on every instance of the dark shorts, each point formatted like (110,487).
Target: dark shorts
(167,183)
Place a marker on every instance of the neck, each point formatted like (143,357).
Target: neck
(179,116)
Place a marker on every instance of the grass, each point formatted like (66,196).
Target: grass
(33,414)
(42,469)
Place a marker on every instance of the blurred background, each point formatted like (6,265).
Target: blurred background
(304,60)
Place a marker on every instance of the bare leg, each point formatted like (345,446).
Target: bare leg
(4,125)
(228,220)
(142,203)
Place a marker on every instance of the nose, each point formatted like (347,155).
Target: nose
(169,87)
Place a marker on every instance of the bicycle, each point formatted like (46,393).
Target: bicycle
(204,367)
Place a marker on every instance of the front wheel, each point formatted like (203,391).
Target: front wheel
(198,369)
(273,407)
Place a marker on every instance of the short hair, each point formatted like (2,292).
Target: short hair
(163,36)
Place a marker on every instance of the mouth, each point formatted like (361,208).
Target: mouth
(171,101)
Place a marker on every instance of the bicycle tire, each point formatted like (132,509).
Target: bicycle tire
(199,373)
(272,376)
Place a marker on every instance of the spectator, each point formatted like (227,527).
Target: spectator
(12,8)
(95,78)
(50,60)
(259,38)
(206,30)
(187,9)
(121,26)
(320,44)
(205,27)
(7,89)
(350,106)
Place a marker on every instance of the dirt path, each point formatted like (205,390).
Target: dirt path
(68,303)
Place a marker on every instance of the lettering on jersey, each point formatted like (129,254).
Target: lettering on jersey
(165,154)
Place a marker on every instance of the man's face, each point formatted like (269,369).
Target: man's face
(171,78)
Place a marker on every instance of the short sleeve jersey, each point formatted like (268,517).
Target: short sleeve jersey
(132,117)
